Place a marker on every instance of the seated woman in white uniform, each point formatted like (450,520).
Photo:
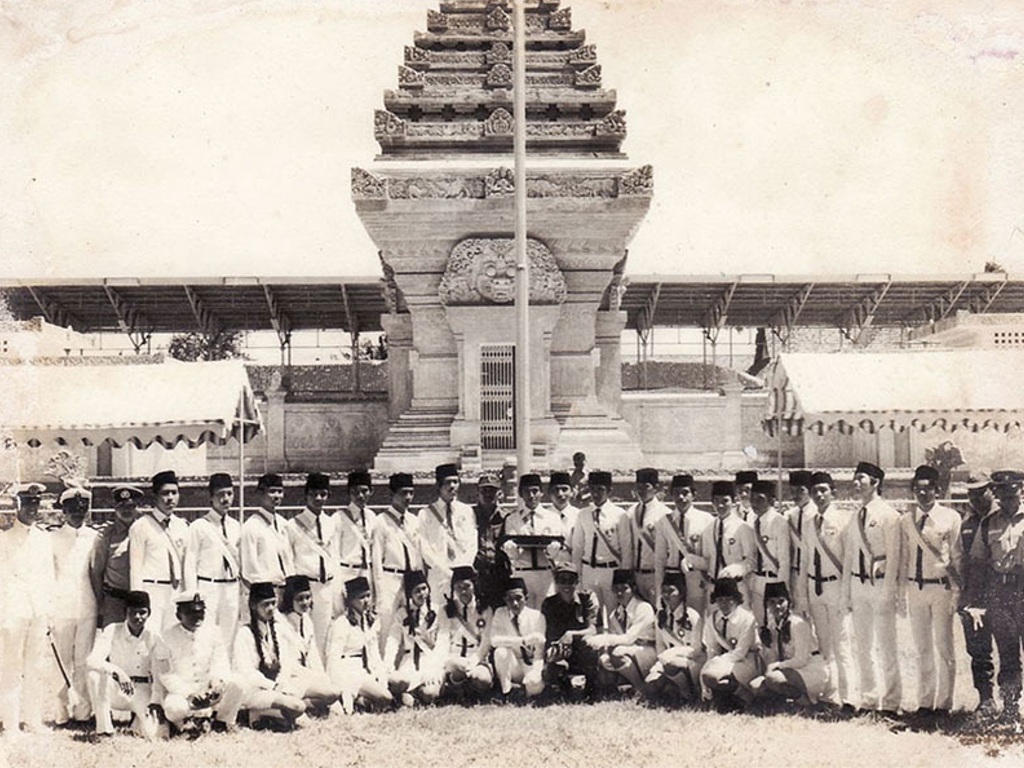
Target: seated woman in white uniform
(679,644)
(295,630)
(793,670)
(353,651)
(730,639)
(414,652)
(261,668)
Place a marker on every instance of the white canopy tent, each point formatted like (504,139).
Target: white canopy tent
(950,389)
(140,404)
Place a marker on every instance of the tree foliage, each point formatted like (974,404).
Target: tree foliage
(193,346)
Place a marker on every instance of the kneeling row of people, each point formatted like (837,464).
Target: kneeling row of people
(463,650)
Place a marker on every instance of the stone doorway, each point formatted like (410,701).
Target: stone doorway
(498,397)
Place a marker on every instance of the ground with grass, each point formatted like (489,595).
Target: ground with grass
(610,734)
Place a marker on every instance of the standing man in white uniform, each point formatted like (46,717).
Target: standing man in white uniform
(447,531)
(644,516)
(156,551)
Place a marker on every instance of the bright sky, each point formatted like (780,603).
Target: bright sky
(215,137)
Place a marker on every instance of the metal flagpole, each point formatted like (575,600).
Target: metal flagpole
(523,442)
(241,456)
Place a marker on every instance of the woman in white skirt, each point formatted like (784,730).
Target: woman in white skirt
(679,644)
(730,639)
(353,651)
(414,652)
(299,646)
(793,671)
(262,669)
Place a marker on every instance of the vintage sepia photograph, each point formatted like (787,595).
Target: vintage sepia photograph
(511,383)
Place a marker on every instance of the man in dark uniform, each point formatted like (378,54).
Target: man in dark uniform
(490,567)
(999,547)
(570,615)
(977,631)
(108,569)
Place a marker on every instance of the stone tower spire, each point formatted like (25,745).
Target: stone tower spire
(438,204)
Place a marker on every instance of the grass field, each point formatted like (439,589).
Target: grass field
(607,735)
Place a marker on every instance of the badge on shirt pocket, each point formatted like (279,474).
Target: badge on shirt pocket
(732,641)
(732,542)
(695,537)
(872,524)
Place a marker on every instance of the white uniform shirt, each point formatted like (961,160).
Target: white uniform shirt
(679,535)
(116,647)
(211,550)
(503,632)
(446,543)
(27,580)
(156,549)
(188,661)
(522,522)
(589,546)
(643,531)
(354,530)
(347,642)
(465,629)
(771,537)
(264,550)
(313,545)
(72,553)
(393,545)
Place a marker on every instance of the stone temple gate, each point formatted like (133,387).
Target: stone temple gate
(438,203)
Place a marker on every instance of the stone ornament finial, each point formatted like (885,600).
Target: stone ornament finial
(499,123)
(483,271)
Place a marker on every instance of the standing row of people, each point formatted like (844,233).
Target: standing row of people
(843,574)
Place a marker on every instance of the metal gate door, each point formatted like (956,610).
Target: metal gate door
(497,396)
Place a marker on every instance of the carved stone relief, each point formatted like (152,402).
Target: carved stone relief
(499,123)
(483,271)
(366,186)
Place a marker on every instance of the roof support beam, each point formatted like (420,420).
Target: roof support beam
(645,317)
(205,318)
(718,314)
(980,303)
(54,312)
(938,308)
(132,322)
(782,322)
(857,320)
(351,319)
(278,319)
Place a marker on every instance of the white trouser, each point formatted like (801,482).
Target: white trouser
(510,668)
(599,581)
(874,634)
(322,613)
(74,638)
(106,696)
(162,608)
(390,594)
(24,647)
(931,608)
(831,625)
(222,607)
(177,707)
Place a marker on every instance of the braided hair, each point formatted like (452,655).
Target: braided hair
(269,670)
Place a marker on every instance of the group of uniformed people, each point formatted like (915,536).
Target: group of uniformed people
(342,608)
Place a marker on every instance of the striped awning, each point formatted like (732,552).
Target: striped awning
(166,403)
(950,389)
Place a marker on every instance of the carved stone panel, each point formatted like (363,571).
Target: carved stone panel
(483,271)
(499,123)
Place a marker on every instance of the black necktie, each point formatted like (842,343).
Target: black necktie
(719,554)
(224,532)
(320,541)
(757,533)
(860,553)
(919,565)
(640,527)
(597,526)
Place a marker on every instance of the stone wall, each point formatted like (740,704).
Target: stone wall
(705,430)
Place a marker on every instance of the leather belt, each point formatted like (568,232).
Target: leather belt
(645,570)
(531,568)
(142,679)
(216,581)
(387,569)
(866,579)
(767,574)
(612,564)
(157,581)
(822,579)
(353,567)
